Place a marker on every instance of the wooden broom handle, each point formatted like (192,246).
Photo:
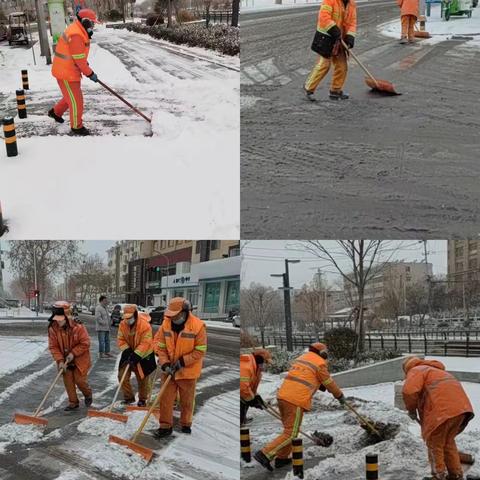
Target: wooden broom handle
(360,64)
(127,370)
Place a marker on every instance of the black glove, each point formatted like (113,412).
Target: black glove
(257,402)
(335,32)
(167,368)
(350,41)
(93,77)
(133,360)
(322,388)
(178,365)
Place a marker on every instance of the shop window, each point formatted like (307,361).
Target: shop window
(232,301)
(212,297)
(192,297)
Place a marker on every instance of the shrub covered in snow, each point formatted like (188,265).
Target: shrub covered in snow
(281,360)
(223,38)
(341,342)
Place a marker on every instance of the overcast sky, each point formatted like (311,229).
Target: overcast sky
(263,257)
(89,247)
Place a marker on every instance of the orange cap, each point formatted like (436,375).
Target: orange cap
(265,354)
(175,306)
(88,13)
(61,305)
(128,311)
(320,347)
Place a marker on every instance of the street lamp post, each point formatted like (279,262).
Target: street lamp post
(168,269)
(286,302)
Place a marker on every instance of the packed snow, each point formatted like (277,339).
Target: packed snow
(193,154)
(225,325)
(15,433)
(17,352)
(20,313)
(459,364)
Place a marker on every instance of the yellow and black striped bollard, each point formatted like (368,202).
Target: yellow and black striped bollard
(372,467)
(245,447)
(297,457)
(10,136)
(25,80)
(21,104)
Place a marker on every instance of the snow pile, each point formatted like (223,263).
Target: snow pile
(14,433)
(17,352)
(459,364)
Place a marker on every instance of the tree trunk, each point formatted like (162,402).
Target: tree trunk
(235,12)
(169,14)
(262,333)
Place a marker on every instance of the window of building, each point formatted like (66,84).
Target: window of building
(178,293)
(459,266)
(212,297)
(163,244)
(459,251)
(214,244)
(234,251)
(171,243)
(473,263)
(197,247)
(192,297)
(407,269)
(232,300)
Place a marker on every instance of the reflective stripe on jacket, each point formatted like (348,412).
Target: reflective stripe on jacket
(139,337)
(304,378)
(250,376)
(435,393)
(190,344)
(71,54)
(334,12)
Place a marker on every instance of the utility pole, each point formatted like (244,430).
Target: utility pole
(429,280)
(42,32)
(2,290)
(37,297)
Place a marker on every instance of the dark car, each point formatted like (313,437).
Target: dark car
(116,315)
(157,315)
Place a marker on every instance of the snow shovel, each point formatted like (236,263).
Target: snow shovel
(23,419)
(149,120)
(136,408)
(321,439)
(146,453)
(421,33)
(375,84)
(109,413)
(364,420)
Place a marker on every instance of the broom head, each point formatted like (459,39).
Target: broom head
(111,415)
(382,86)
(146,453)
(23,419)
(422,34)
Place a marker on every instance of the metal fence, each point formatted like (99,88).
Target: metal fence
(217,16)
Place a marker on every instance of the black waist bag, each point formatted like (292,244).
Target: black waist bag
(323,44)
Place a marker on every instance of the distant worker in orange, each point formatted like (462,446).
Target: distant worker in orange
(251,368)
(444,411)
(135,340)
(409,14)
(308,373)
(337,21)
(69,64)
(181,344)
(69,344)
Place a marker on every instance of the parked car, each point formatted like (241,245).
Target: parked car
(236,321)
(149,309)
(157,315)
(17,28)
(92,309)
(117,314)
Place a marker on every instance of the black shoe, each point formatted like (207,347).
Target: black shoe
(141,403)
(52,114)
(70,407)
(128,401)
(282,462)
(262,459)
(186,429)
(88,401)
(82,132)
(163,432)
(338,95)
(309,94)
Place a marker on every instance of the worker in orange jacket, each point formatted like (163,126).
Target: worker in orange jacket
(181,344)
(337,21)
(444,411)
(409,14)
(251,368)
(69,64)
(135,340)
(308,373)
(69,344)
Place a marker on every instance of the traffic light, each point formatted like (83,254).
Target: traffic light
(36,293)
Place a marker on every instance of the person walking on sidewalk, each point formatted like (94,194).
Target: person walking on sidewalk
(181,344)
(69,344)
(408,13)
(251,368)
(337,20)
(308,373)
(135,340)
(102,327)
(444,411)
(69,64)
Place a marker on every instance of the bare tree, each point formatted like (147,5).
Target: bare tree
(363,257)
(312,300)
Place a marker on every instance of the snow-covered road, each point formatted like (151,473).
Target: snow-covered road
(192,96)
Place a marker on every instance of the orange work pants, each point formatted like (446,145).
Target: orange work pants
(186,391)
(322,67)
(73,378)
(72,100)
(292,417)
(442,449)
(408,26)
(128,393)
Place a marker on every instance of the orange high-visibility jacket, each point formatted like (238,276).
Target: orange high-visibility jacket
(190,344)
(73,339)
(435,393)
(408,7)
(71,54)
(304,378)
(334,12)
(250,376)
(139,337)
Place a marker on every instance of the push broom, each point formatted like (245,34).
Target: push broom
(23,419)
(146,453)
(109,413)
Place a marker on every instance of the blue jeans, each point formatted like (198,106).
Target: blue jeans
(104,342)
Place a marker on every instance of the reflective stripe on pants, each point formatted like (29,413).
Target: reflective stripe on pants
(281,446)
(72,100)
(322,67)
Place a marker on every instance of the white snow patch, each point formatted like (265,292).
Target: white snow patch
(14,433)
(459,364)
(223,325)
(17,352)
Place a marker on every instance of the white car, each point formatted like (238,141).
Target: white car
(236,321)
